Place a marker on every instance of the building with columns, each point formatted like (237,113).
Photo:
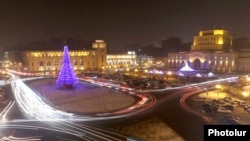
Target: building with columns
(50,61)
(211,50)
(95,59)
(121,61)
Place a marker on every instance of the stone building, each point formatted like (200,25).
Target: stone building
(211,50)
(50,61)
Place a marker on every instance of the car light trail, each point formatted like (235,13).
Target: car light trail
(31,104)
(85,132)
(35,108)
(6,110)
(11,138)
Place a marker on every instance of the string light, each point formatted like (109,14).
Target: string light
(66,77)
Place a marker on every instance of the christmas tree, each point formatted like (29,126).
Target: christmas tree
(66,77)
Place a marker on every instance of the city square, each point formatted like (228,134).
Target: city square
(124,71)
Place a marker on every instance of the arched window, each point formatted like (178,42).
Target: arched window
(56,63)
(206,65)
(81,62)
(197,63)
(48,63)
(41,63)
(75,62)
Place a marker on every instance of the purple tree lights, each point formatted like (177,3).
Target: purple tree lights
(66,77)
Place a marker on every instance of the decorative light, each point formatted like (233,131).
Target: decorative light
(186,67)
(66,77)
(245,93)
(210,74)
(198,75)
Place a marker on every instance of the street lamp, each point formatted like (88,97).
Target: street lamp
(245,94)
(218,86)
(247,79)
(169,73)
(206,90)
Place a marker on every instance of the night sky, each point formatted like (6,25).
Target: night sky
(119,21)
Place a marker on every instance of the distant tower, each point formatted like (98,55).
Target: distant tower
(66,77)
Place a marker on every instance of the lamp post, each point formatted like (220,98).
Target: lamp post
(169,73)
(247,79)
(135,72)
(206,90)
(146,73)
(245,94)
(218,86)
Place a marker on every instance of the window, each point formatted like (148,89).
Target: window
(56,63)
(41,63)
(48,63)
(81,62)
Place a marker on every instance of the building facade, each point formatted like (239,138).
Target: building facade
(122,61)
(241,44)
(95,59)
(212,40)
(211,50)
(50,61)
(243,61)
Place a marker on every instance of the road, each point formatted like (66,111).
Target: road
(30,107)
(165,102)
(173,111)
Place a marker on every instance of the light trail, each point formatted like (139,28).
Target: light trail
(6,110)
(11,138)
(35,108)
(190,85)
(85,132)
(36,127)
(31,104)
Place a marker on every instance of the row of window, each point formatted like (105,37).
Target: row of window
(48,63)
(207,39)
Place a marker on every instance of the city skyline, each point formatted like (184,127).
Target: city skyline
(118,22)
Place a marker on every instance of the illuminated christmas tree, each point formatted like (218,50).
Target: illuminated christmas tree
(66,77)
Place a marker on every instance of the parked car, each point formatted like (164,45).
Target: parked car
(247,109)
(242,103)
(229,107)
(224,110)
(231,121)
(229,116)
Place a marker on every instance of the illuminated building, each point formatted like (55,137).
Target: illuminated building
(95,59)
(122,61)
(211,50)
(145,61)
(212,40)
(66,77)
(50,61)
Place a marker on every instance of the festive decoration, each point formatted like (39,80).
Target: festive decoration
(66,77)
(186,67)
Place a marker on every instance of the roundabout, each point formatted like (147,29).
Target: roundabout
(42,99)
(84,98)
